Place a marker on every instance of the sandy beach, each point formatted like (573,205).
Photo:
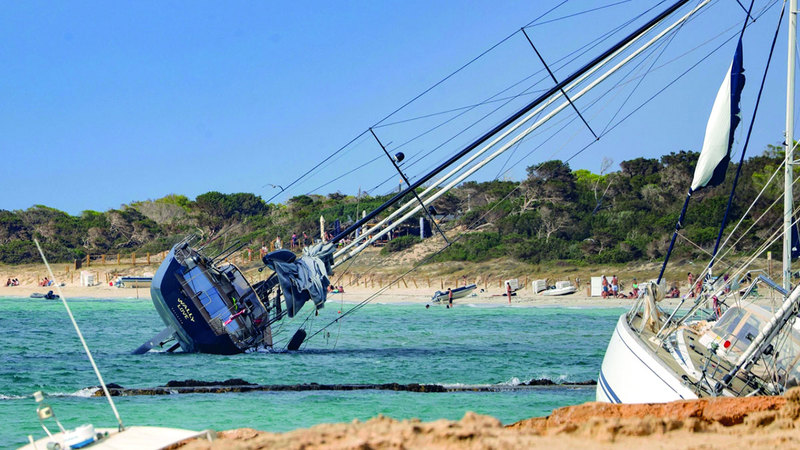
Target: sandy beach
(716,423)
(356,295)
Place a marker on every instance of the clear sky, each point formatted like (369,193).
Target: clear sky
(105,103)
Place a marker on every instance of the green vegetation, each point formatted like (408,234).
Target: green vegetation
(554,214)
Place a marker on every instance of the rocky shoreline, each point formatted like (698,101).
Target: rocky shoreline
(729,423)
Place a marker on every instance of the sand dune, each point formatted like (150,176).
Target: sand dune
(724,423)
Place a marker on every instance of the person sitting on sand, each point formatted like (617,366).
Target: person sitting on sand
(674,292)
(44,282)
(8,282)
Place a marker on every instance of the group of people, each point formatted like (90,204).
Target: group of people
(12,282)
(612,289)
(45,282)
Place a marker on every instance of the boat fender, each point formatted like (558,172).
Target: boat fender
(297,340)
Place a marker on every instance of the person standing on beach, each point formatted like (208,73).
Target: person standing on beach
(605,287)
(615,285)
(690,278)
(294,240)
(278,243)
(450,296)
(508,292)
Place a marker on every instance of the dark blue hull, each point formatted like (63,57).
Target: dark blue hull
(211,309)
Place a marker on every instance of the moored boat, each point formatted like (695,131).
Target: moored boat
(459,292)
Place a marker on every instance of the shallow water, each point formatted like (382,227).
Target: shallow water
(378,344)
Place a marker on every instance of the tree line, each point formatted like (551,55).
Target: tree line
(555,213)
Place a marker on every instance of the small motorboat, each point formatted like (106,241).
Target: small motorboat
(49,295)
(134,282)
(561,288)
(460,292)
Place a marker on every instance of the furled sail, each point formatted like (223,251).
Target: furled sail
(305,278)
(725,116)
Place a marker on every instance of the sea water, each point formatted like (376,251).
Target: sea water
(465,345)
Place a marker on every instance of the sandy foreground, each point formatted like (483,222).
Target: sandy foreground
(723,423)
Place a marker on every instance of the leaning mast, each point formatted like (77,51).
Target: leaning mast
(789,149)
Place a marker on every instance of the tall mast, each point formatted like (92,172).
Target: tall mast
(789,146)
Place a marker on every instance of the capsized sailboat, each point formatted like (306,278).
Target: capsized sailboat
(730,341)
(209,305)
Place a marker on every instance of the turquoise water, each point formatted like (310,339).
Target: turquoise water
(378,344)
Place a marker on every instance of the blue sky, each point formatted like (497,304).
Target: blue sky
(109,103)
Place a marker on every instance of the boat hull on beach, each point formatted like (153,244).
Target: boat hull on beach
(632,373)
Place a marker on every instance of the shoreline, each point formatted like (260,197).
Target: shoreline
(410,296)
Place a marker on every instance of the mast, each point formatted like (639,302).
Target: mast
(789,146)
(513,118)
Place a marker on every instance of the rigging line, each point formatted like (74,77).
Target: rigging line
(577,14)
(555,80)
(416,266)
(319,164)
(750,208)
(750,129)
(465,66)
(324,167)
(685,238)
(470,106)
(646,72)
(591,44)
(546,13)
(652,97)
(344,174)
(678,78)
(444,79)
(405,178)
(511,155)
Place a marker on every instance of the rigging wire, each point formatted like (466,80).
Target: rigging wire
(591,44)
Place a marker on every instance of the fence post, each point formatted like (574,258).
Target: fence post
(88,260)
(117,258)
(133,259)
(148,258)
(103,259)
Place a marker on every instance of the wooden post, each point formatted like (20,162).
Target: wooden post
(526,282)
(148,258)
(88,260)
(414,280)
(441,282)
(117,258)
(70,277)
(380,282)
(133,259)
(103,259)
(428,279)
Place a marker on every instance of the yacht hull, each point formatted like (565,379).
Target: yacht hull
(632,373)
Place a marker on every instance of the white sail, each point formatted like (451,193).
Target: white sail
(722,122)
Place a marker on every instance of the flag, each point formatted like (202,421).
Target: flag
(725,116)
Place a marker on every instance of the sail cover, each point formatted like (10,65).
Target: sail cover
(305,278)
(716,152)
